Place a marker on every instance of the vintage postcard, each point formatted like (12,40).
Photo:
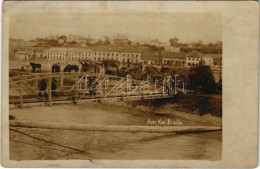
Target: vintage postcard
(130,84)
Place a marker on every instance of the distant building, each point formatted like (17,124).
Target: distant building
(61,53)
(21,55)
(119,39)
(150,56)
(173,59)
(74,38)
(38,50)
(172,49)
(34,49)
(215,58)
(81,41)
(193,59)
(131,53)
(104,52)
(61,41)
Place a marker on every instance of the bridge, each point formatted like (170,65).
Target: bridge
(41,89)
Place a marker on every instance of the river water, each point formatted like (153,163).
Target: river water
(36,144)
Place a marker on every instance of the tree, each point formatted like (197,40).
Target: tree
(174,41)
(201,78)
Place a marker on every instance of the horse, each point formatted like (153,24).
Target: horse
(84,67)
(35,66)
(69,68)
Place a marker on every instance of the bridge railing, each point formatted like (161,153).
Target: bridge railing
(49,87)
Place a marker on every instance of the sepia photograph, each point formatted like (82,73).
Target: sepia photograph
(119,86)
(130,84)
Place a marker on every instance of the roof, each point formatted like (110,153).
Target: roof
(134,49)
(21,52)
(214,56)
(63,49)
(149,54)
(166,54)
(194,54)
(108,48)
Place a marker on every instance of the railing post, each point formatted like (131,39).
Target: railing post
(36,84)
(21,96)
(76,88)
(49,92)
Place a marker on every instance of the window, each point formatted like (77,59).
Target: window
(136,55)
(107,54)
(112,54)
(123,54)
(189,58)
(117,54)
(188,64)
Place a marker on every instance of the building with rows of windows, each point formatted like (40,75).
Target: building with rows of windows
(98,53)
(62,53)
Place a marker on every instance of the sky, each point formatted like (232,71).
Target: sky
(187,27)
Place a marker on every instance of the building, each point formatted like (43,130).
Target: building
(193,58)
(216,59)
(18,46)
(196,58)
(33,49)
(150,56)
(21,55)
(119,39)
(74,38)
(132,54)
(170,48)
(38,51)
(173,59)
(104,52)
(62,53)
(98,53)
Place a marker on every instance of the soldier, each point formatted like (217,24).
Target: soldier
(43,87)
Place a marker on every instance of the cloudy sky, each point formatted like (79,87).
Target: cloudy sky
(162,26)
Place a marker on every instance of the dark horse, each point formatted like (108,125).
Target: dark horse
(69,68)
(36,66)
(55,68)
